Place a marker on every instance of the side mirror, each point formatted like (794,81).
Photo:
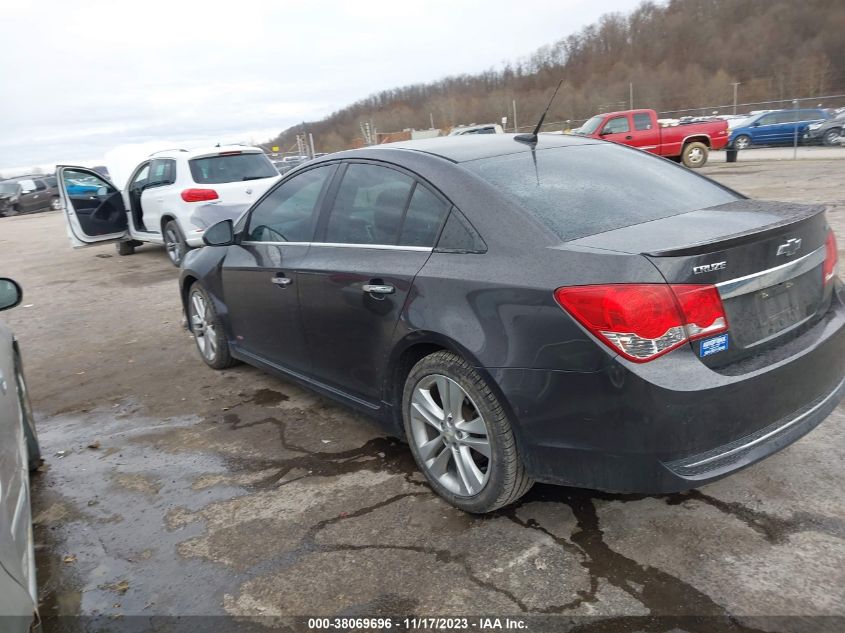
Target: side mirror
(221,234)
(755,124)
(10,294)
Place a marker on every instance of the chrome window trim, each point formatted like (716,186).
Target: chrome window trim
(382,247)
(771,276)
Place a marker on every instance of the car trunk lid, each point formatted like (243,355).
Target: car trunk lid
(765,258)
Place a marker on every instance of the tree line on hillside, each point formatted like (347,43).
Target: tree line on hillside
(678,55)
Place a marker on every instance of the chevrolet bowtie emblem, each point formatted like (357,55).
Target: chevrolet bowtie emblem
(790,247)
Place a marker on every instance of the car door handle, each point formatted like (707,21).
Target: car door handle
(629,137)
(378,289)
(281,280)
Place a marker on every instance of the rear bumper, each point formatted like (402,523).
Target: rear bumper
(673,424)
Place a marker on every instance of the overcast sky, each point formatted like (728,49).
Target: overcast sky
(81,78)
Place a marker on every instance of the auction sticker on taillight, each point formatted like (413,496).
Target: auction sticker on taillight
(713,345)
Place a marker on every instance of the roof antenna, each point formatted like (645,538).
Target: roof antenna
(532,138)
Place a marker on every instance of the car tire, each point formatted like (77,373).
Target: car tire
(56,203)
(207,329)
(125,247)
(14,210)
(831,137)
(174,242)
(743,141)
(454,445)
(694,155)
(33,449)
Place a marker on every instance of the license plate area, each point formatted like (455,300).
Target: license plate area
(777,308)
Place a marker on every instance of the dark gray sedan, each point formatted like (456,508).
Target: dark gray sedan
(566,310)
(19,453)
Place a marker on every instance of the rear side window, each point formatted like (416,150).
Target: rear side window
(234,167)
(162,172)
(423,218)
(582,190)
(288,214)
(642,121)
(369,206)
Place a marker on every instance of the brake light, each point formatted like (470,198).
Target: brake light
(199,195)
(831,258)
(644,321)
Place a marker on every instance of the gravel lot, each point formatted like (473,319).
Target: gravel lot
(173,490)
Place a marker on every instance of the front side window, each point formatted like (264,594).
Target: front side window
(289,213)
(140,179)
(769,119)
(369,206)
(617,125)
(231,167)
(86,184)
(642,121)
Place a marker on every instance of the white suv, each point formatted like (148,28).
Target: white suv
(170,198)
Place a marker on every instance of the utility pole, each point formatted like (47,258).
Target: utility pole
(311,142)
(630,95)
(736,85)
(795,122)
(515,126)
(431,119)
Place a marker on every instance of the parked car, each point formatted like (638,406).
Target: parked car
(28,194)
(775,128)
(567,311)
(689,143)
(486,128)
(826,132)
(19,454)
(170,198)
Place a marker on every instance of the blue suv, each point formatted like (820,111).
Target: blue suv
(774,128)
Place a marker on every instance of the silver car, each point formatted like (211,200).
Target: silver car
(19,454)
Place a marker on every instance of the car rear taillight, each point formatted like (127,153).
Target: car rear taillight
(199,195)
(644,321)
(831,258)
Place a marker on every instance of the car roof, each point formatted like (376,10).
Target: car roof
(467,147)
(204,151)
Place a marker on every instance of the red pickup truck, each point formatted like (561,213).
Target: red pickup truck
(689,143)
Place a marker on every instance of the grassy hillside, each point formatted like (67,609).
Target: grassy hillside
(679,54)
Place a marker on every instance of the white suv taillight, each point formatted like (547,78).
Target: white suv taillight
(644,321)
(199,195)
(831,258)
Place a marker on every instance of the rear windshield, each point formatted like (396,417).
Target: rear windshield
(231,168)
(583,190)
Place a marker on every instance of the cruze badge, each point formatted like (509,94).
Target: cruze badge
(709,268)
(790,246)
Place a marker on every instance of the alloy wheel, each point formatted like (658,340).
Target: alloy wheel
(173,244)
(202,326)
(56,204)
(695,155)
(450,435)
(742,143)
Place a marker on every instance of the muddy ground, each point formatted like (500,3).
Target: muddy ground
(170,489)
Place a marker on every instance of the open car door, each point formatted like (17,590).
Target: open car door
(93,207)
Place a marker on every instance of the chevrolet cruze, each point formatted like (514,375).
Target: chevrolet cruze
(566,310)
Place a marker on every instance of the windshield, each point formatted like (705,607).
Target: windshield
(582,190)
(8,187)
(590,126)
(231,168)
